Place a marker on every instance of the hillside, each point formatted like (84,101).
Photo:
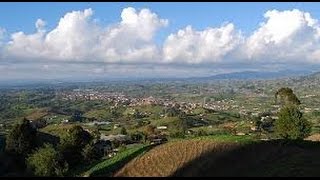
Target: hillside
(208,157)
(166,159)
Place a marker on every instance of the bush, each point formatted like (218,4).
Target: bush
(123,131)
(177,134)
(115,144)
(220,132)
(291,124)
(46,161)
(201,132)
(137,137)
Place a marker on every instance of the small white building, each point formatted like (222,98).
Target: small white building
(162,127)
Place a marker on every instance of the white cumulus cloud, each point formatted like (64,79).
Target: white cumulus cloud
(40,24)
(210,45)
(78,38)
(285,36)
(132,38)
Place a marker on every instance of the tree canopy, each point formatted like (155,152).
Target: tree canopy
(291,123)
(46,161)
(22,138)
(286,96)
(73,143)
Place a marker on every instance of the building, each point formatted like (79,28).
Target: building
(162,127)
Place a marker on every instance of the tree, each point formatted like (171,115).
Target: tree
(76,116)
(137,136)
(77,136)
(96,133)
(89,153)
(286,96)
(182,124)
(173,111)
(72,143)
(46,161)
(22,138)
(291,124)
(123,131)
(115,144)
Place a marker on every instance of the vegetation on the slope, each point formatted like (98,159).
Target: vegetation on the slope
(200,158)
(22,138)
(286,96)
(168,158)
(291,124)
(109,166)
(46,161)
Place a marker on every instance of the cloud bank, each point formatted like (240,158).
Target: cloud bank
(284,37)
(78,38)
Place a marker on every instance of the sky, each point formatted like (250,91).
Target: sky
(156,39)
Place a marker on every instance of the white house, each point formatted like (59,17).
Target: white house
(162,127)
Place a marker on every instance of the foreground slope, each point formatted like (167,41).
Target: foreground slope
(205,157)
(166,159)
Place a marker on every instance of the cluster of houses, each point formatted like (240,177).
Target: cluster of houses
(122,100)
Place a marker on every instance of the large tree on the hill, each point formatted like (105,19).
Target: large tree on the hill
(286,96)
(291,123)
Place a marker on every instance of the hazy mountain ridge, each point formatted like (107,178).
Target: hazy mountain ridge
(244,75)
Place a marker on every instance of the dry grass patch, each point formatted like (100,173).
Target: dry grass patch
(314,137)
(166,159)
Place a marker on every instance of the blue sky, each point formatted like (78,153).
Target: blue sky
(17,16)
(246,15)
(246,32)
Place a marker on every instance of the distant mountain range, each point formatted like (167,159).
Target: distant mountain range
(244,75)
(255,75)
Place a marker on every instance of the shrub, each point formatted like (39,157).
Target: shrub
(177,134)
(201,132)
(123,131)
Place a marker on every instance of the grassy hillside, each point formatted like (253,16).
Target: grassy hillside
(227,156)
(57,130)
(100,114)
(37,113)
(164,160)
